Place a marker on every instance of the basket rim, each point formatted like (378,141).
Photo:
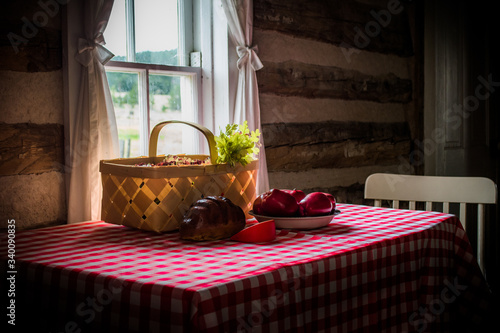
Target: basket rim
(126,167)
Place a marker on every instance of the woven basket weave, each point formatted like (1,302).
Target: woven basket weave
(156,198)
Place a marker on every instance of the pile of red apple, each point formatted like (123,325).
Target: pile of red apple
(287,203)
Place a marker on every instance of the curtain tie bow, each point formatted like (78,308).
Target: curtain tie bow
(248,54)
(87,49)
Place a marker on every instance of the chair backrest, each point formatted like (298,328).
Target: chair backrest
(435,189)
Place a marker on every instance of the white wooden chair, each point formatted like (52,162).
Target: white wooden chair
(435,189)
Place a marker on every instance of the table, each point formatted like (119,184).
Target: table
(370,270)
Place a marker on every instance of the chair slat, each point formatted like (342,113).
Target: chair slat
(395,204)
(463,214)
(428,206)
(480,235)
(446,207)
(377,203)
(412,205)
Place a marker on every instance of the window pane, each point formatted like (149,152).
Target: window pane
(124,89)
(115,33)
(156,32)
(168,101)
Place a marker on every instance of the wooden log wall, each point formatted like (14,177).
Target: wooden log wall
(338,92)
(31,109)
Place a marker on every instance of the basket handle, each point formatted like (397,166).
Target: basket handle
(153,139)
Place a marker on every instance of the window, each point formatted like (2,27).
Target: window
(150,77)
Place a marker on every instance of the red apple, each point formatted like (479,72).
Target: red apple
(279,203)
(257,205)
(315,204)
(332,199)
(297,194)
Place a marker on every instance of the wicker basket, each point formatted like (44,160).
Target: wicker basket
(156,198)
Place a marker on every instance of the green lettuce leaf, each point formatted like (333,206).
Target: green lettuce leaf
(237,144)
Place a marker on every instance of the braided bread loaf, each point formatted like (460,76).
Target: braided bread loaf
(212,218)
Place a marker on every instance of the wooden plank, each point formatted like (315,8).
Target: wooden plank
(335,155)
(31,148)
(304,146)
(292,78)
(279,134)
(360,25)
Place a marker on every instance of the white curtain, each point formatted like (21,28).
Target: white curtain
(93,131)
(239,15)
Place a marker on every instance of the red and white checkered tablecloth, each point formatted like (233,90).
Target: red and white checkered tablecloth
(370,270)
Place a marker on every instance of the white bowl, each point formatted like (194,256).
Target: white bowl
(303,223)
